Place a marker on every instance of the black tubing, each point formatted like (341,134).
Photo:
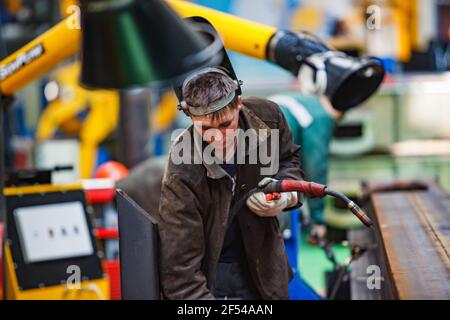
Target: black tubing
(354,208)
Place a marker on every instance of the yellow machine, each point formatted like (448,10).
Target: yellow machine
(102,119)
(62,42)
(165,112)
(35,270)
(89,290)
(103,106)
(289,50)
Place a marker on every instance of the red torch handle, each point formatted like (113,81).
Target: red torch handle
(310,189)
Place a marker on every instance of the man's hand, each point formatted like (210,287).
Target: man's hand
(260,205)
(317,232)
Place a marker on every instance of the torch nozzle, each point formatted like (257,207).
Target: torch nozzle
(353,207)
(357,211)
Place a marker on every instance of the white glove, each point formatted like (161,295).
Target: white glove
(259,205)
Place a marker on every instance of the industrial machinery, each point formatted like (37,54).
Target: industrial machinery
(345,80)
(100,197)
(67,99)
(50,252)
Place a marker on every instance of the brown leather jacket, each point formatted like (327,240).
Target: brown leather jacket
(194,208)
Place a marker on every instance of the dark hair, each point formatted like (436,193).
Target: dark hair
(207,88)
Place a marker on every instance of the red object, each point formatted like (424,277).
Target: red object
(273,196)
(100,195)
(112,170)
(106,233)
(112,268)
(310,189)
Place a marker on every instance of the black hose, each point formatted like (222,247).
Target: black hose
(354,208)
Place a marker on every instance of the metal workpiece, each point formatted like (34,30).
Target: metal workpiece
(411,244)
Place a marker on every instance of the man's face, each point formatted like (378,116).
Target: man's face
(219,133)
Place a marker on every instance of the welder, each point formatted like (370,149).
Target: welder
(211,246)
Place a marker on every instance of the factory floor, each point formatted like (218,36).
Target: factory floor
(313,263)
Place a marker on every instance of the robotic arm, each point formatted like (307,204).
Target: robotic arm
(347,81)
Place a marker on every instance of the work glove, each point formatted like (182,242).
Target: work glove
(259,204)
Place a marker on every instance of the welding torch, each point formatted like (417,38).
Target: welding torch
(314,190)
